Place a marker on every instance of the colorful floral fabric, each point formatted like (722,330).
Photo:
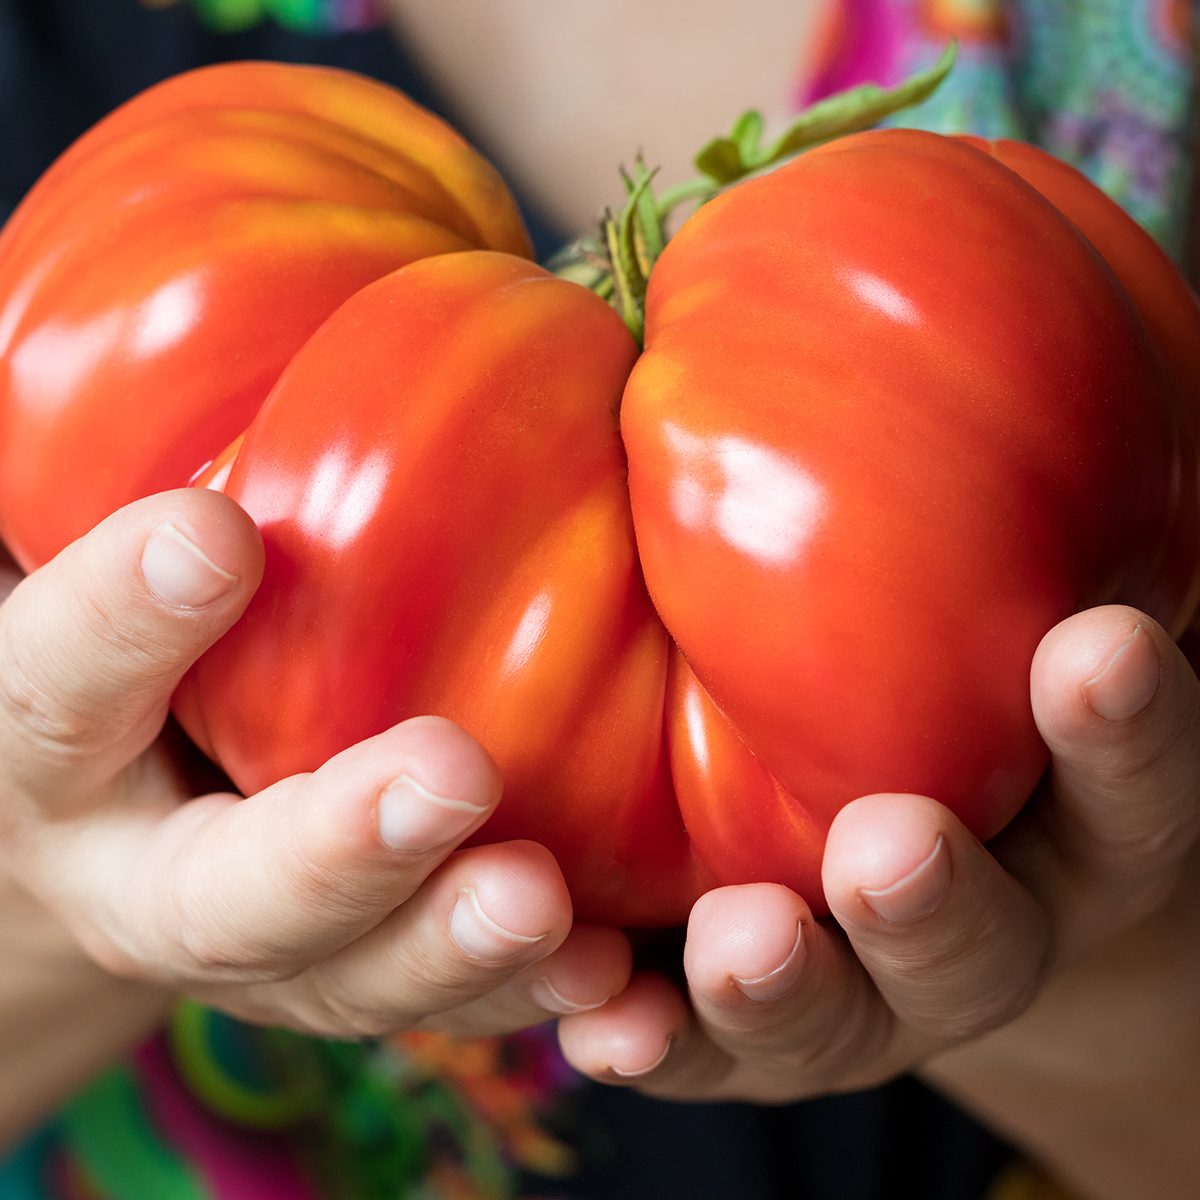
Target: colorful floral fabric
(310,16)
(216,1110)
(1107,85)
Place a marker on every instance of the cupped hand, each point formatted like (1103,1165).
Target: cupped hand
(1049,979)
(335,902)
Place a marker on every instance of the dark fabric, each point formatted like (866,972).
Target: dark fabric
(900,1140)
(65,63)
(890,1142)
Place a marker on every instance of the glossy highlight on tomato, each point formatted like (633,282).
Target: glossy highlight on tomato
(903,404)
(163,272)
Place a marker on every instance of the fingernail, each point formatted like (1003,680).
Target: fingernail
(915,895)
(778,981)
(1127,683)
(546,996)
(640,1071)
(413,818)
(179,572)
(479,937)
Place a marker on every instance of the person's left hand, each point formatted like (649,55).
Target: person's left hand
(940,940)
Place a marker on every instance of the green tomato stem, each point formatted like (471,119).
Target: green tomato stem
(701,189)
(618,266)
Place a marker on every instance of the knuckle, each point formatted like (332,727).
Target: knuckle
(323,887)
(1150,818)
(975,1019)
(853,1030)
(139,644)
(424,983)
(48,723)
(447,977)
(1133,841)
(344,1012)
(1126,766)
(957,993)
(115,959)
(210,953)
(52,702)
(861,1034)
(767,1033)
(1157,762)
(212,945)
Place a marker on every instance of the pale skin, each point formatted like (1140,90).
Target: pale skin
(332,902)
(1049,982)
(560,93)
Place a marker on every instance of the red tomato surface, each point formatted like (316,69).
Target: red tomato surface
(164,271)
(895,417)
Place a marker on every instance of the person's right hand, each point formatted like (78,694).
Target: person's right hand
(333,902)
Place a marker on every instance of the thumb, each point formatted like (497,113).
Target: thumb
(93,643)
(1119,708)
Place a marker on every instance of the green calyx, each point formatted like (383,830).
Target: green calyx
(616,264)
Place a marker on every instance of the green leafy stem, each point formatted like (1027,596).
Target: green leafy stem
(616,263)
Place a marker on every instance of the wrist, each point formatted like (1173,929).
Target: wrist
(62,1018)
(1097,1080)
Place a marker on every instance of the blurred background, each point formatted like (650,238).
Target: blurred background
(559,93)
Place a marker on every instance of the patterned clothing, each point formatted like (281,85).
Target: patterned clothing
(216,1110)
(1107,85)
(213,1110)
(310,16)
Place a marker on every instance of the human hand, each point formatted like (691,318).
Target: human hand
(1049,981)
(333,902)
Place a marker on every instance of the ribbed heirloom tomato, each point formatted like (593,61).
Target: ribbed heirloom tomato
(903,404)
(162,274)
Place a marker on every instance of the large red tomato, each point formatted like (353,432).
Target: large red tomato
(901,408)
(164,271)
(896,417)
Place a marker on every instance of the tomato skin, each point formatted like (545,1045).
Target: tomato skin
(164,271)
(881,439)
(903,405)
(440,485)
(1170,313)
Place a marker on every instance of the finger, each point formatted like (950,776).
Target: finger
(955,945)
(782,995)
(1119,707)
(784,1009)
(645,1037)
(261,888)
(780,1010)
(487,914)
(586,971)
(93,643)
